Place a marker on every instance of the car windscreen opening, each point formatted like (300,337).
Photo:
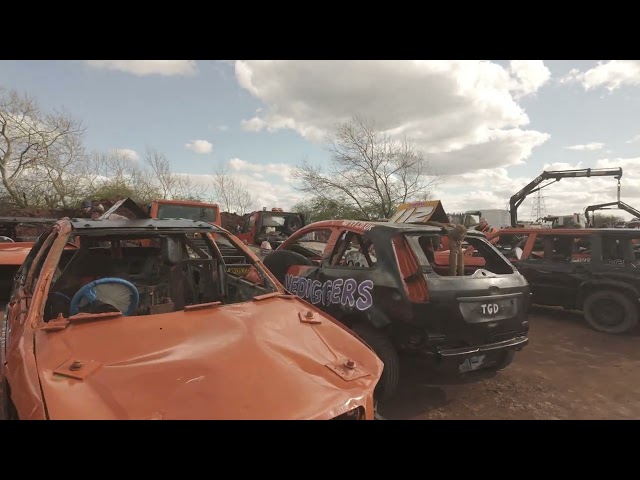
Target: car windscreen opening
(151,273)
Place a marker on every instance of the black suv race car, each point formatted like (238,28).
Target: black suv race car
(389,282)
(596,270)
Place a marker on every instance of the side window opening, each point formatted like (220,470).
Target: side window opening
(14,276)
(313,244)
(567,248)
(618,249)
(512,245)
(538,248)
(353,250)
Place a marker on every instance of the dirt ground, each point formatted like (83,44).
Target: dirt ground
(567,371)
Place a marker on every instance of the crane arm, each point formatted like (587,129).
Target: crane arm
(604,206)
(556,176)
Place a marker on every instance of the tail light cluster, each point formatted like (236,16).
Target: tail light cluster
(413,280)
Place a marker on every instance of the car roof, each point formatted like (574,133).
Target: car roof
(567,231)
(390,227)
(86,226)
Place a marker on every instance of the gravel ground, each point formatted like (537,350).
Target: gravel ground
(567,371)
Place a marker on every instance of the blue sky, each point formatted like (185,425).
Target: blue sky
(490,127)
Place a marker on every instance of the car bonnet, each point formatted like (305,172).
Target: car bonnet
(257,360)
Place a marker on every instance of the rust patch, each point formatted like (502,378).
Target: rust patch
(347,370)
(77,368)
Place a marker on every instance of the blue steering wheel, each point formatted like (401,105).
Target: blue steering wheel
(89,292)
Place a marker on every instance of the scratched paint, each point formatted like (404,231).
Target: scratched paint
(345,292)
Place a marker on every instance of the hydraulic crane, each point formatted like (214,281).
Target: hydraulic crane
(517,199)
(606,206)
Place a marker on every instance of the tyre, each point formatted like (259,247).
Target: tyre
(278,262)
(384,349)
(610,311)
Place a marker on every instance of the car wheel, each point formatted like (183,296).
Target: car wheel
(609,311)
(384,349)
(278,262)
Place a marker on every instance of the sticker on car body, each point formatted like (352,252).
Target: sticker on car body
(366,226)
(345,292)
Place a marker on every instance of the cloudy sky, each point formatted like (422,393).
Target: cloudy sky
(487,127)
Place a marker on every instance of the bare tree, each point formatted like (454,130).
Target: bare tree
(172,185)
(231,193)
(368,170)
(244,201)
(65,172)
(30,143)
(114,175)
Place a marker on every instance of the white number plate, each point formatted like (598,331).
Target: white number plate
(490,309)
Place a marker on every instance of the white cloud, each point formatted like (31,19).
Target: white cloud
(456,111)
(572,76)
(634,139)
(587,146)
(270,186)
(200,146)
(611,75)
(528,76)
(223,128)
(281,170)
(148,67)
(127,153)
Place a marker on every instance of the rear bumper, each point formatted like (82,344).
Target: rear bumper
(516,343)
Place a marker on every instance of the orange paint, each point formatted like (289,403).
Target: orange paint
(270,357)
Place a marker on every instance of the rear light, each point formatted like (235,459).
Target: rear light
(413,280)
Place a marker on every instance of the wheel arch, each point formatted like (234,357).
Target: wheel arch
(595,285)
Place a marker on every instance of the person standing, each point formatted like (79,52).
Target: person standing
(484,227)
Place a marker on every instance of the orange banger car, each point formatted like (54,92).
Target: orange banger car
(170,319)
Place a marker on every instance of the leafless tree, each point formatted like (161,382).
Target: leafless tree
(230,193)
(244,201)
(65,172)
(172,185)
(32,143)
(113,175)
(369,170)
